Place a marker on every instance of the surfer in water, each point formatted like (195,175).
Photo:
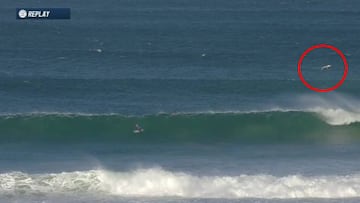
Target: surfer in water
(326,67)
(138,129)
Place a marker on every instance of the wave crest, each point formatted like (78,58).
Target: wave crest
(338,116)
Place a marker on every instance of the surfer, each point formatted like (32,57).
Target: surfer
(326,67)
(138,129)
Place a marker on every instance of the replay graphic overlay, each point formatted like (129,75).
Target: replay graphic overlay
(43,13)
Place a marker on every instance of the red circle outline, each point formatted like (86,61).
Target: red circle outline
(346,67)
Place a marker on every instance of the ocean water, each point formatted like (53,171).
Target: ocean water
(214,85)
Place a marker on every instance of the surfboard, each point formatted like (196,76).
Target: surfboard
(138,131)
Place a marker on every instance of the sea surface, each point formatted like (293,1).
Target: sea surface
(213,84)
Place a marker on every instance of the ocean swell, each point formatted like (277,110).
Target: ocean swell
(316,125)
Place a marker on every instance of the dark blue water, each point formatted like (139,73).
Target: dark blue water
(150,56)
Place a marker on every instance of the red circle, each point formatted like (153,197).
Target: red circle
(318,46)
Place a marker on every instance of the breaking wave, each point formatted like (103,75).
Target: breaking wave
(156,182)
(268,126)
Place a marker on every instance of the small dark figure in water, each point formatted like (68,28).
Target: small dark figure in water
(138,129)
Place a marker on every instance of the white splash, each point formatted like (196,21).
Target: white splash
(335,109)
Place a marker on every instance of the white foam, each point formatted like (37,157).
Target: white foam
(331,115)
(156,182)
(335,109)
(338,116)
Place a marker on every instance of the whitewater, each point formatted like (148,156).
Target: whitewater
(157,182)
